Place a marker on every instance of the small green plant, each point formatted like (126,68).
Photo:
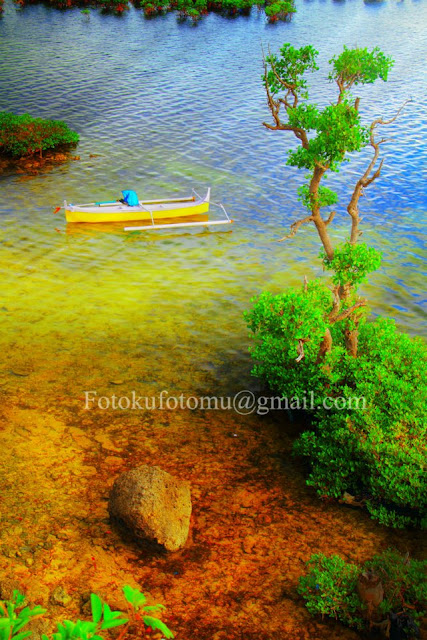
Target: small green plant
(334,588)
(139,610)
(14,616)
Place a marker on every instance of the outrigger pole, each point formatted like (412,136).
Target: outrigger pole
(175,225)
(178,224)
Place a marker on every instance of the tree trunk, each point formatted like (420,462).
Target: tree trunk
(371,593)
(344,291)
(351,340)
(325,346)
(318,174)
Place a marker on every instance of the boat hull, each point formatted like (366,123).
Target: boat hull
(117,212)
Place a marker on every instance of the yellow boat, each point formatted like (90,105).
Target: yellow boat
(152,210)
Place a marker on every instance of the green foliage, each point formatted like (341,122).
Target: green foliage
(233,7)
(134,597)
(24,135)
(369,428)
(373,448)
(377,451)
(325,197)
(352,263)
(277,323)
(14,616)
(287,71)
(404,582)
(360,66)
(193,9)
(330,588)
(338,132)
(137,601)
(280,10)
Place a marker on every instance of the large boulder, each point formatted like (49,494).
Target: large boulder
(153,505)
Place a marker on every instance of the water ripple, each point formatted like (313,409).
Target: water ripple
(165,107)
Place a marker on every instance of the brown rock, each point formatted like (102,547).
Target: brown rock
(153,505)
(60,596)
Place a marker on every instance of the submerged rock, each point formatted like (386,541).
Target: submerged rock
(60,597)
(153,505)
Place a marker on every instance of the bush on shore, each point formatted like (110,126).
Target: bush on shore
(24,135)
(193,9)
(388,592)
(366,443)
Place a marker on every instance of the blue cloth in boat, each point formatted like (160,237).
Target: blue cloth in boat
(130,198)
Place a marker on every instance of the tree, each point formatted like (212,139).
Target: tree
(365,380)
(326,136)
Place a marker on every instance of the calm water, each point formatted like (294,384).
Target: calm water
(161,108)
(166,107)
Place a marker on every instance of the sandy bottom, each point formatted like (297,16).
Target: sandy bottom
(254,522)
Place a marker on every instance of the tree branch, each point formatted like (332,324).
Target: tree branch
(300,349)
(274,106)
(330,218)
(336,305)
(369,176)
(295,226)
(345,314)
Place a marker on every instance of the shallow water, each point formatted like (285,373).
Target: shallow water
(164,107)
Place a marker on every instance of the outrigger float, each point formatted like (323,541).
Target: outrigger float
(131,209)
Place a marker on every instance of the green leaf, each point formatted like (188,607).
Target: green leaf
(110,624)
(154,623)
(154,607)
(18,598)
(134,596)
(18,624)
(96,605)
(117,614)
(22,635)
(107,611)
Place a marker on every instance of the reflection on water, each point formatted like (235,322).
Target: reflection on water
(162,108)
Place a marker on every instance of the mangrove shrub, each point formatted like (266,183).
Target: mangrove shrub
(368,431)
(24,135)
(388,592)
